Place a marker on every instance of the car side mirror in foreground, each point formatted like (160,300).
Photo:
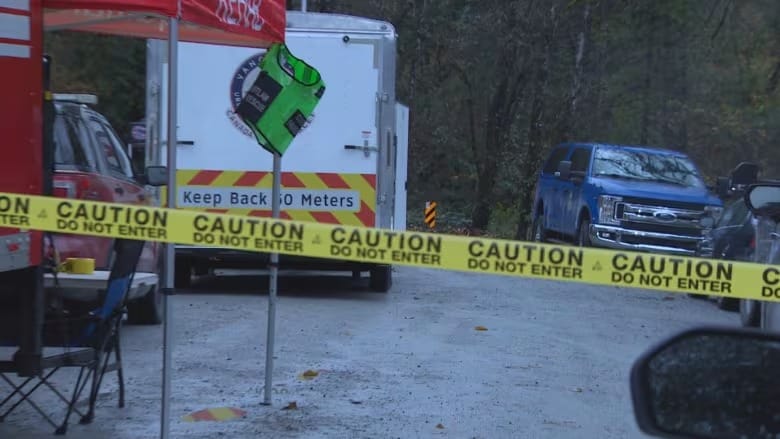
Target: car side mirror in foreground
(764,200)
(709,383)
(156,176)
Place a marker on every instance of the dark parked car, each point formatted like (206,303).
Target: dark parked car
(764,201)
(734,235)
(734,240)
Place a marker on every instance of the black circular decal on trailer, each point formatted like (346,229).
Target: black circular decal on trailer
(243,78)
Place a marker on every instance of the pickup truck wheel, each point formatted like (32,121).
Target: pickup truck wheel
(381,278)
(148,310)
(583,233)
(750,313)
(537,233)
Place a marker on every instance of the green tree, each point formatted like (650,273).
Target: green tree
(113,68)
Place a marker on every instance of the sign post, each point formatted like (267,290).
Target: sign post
(276,194)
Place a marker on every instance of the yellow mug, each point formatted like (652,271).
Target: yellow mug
(79,265)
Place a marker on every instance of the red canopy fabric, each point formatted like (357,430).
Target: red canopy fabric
(254,23)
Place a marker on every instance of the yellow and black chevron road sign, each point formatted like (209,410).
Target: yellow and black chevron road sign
(430,214)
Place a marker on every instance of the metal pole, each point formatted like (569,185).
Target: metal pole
(303,5)
(170,249)
(276,193)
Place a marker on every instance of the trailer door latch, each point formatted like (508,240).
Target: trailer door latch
(365,148)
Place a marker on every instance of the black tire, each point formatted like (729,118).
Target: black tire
(583,232)
(537,229)
(750,313)
(147,310)
(381,279)
(182,276)
(727,303)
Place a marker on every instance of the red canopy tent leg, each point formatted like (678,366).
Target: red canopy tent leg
(256,23)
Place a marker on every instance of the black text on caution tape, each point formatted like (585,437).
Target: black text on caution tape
(248,233)
(14,212)
(771,283)
(668,272)
(112,220)
(525,259)
(387,246)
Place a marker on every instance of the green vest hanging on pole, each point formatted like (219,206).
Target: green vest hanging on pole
(282,99)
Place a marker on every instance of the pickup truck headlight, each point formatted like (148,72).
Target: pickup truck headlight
(711,216)
(608,209)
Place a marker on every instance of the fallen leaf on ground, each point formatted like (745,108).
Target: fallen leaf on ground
(291,406)
(215,414)
(480,328)
(309,374)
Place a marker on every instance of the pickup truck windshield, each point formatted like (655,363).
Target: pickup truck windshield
(645,166)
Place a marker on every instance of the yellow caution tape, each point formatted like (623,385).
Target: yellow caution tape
(461,253)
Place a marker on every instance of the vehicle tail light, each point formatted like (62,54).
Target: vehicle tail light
(64,189)
(82,188)
(77,187)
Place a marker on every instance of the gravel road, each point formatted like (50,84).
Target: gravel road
(553,360)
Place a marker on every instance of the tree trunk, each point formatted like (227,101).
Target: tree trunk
(577,77)
(535,130)
(501,112)
(683,133)
(603,114)
(647,82)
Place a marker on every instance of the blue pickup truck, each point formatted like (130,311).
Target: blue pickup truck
(624,197)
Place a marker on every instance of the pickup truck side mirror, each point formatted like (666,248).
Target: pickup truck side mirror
(723,187)
(155,176)
(564,170)
(709,383)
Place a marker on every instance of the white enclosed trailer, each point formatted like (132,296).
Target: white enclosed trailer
(347,167)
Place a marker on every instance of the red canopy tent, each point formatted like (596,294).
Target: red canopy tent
(253,23)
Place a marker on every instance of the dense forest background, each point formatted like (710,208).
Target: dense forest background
(493,84)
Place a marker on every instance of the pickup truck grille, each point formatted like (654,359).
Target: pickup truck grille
(692,231)
(690,246)
(666,219)
(669,204)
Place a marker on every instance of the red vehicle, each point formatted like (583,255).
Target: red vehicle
(22,170)
(28,147)
(91,163)
(82,157)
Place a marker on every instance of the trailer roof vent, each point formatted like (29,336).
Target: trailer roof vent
(79,98)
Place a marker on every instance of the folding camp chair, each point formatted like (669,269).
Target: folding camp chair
(89,334)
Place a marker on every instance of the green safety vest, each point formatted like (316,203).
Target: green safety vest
(282,99)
